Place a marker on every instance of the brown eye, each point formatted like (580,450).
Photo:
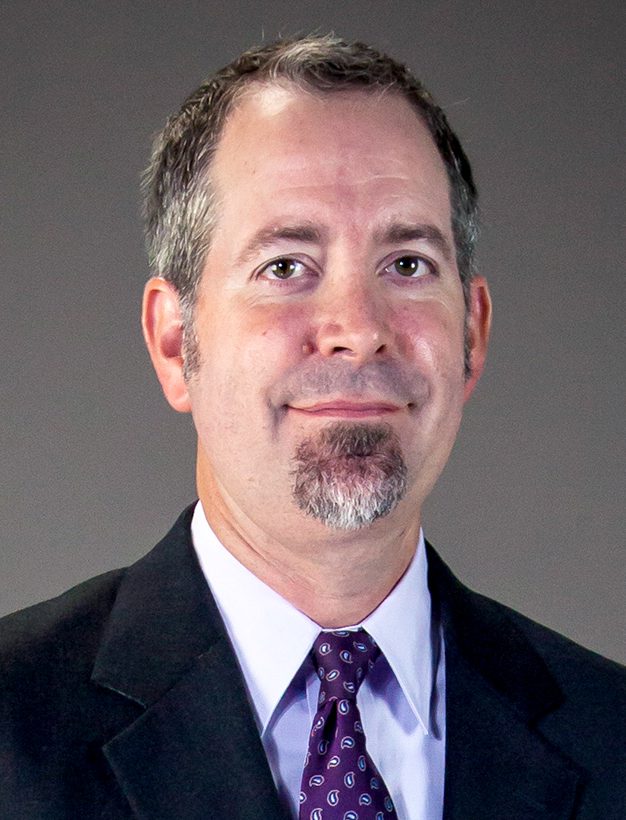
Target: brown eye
(410,266)
(284,268)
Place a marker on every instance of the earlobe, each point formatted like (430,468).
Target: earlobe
(163,332)
(478,328)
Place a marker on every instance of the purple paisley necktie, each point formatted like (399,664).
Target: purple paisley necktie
(340,780)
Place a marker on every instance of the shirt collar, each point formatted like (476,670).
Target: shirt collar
(272,638)
(401,626)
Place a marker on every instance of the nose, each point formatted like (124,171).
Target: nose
(352,323)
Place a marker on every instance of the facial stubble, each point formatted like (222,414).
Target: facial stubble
(349,475)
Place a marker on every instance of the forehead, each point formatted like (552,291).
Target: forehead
(356,148)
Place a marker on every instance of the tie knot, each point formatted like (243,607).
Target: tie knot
(342,660)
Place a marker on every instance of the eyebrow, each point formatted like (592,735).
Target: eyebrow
(305,232)
(409,232)
(308,233)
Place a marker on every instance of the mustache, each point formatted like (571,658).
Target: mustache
(321,379)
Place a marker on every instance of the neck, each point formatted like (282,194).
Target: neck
(336,578)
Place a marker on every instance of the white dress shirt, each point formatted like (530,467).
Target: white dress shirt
(402,700)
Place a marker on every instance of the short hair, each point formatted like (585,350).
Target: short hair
(179,203)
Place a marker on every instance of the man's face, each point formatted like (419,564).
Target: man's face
(330,308)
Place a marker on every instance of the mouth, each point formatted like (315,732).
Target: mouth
(346,409)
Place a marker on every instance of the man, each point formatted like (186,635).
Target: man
(293,648)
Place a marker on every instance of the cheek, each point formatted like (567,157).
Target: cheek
(432,335)
(247,348)
(282,328)
(271,338)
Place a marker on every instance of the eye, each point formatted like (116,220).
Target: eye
(283,268)
(410,266)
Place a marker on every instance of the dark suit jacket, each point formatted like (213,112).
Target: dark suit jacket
(123,698)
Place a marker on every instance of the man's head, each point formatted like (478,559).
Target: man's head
(180,203)
(319,247)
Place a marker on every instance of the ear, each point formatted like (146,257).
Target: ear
(163,331)
(478,327)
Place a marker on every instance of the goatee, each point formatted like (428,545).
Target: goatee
(349,475)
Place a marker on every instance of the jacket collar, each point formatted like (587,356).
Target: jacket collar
(195,748)
(498,690)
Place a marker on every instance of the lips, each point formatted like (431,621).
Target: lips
(347,408)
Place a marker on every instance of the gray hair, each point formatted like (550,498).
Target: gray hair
(179,203)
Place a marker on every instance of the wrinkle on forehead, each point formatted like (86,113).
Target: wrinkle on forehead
(364,157)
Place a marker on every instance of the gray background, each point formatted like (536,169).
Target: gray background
(95,465)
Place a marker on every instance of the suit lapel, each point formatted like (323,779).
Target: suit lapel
(195,749)
(498,689)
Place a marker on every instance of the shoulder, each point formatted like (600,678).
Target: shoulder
(568,657)
(589,723)
(575,698)
(593,689)
(486,626)
(53,721)
(584,675)
(593,683)
(47,651)
(67,625)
